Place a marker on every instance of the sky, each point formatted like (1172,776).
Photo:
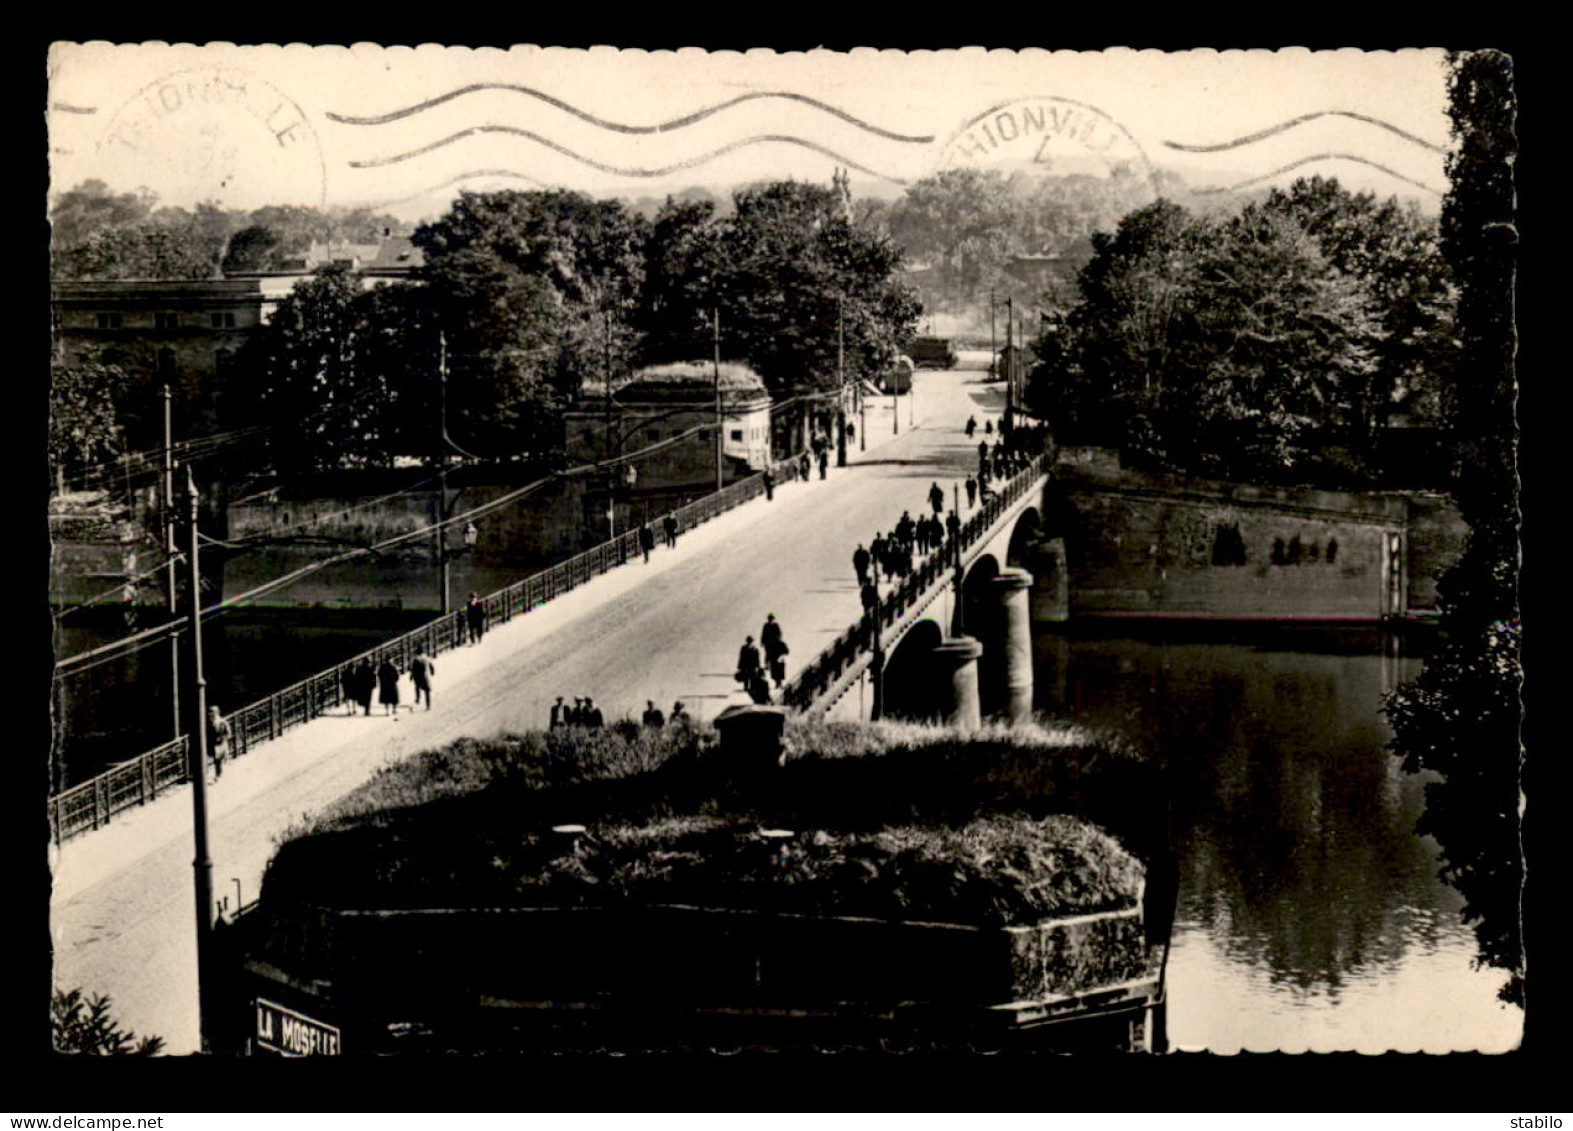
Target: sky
(403,129)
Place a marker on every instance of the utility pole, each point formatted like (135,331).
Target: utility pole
(1010,363)
(196,767)
(994,357)
(841,380)
(442,477)
(171,550)
(715,327)
(606,447)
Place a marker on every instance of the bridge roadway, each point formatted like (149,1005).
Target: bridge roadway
(121,910)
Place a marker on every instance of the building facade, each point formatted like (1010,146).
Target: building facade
(661,422)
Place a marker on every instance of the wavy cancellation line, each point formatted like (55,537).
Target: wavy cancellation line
(620,127)
(1291,123)
(624,170)
(1247,183)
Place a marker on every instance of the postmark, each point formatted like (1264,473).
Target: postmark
(1048,135)
(230,136)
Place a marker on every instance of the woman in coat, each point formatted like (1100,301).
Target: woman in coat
(388,686)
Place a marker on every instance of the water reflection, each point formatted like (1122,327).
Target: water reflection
(1310,914)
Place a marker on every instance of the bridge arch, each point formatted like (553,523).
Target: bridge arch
(1024,539)
(914,685)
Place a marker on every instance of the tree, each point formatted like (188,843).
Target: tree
(965,223)
(84,1026)
(1286,352)
(1394,255)
(682,262)
(791,269)
(536,293)
(81,212)
(1460,718)
(313,379)
(83,428)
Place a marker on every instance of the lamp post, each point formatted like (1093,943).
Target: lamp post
(715,329)
(841,379)
(171,548)
(196,768)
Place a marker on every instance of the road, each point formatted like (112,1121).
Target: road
(122,907)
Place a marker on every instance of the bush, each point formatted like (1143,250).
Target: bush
(83,1026)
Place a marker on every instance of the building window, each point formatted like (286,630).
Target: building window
(737,435)
(109,321)
(223,319)
(166,321)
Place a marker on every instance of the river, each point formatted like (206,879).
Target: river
(1310,914)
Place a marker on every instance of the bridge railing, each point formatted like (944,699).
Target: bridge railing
(93,803)
(819,676)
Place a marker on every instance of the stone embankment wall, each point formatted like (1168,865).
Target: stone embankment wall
(546,525)
(1141,544)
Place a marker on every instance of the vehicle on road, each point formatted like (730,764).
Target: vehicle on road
(940,353)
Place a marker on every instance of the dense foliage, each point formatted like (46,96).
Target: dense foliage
(965,227)
(84,1026)
(527,300)
(98,234)
(1267,345)
(83,415)
(1460,718)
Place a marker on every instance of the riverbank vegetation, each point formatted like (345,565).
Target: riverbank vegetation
(1270,345)
(885,821)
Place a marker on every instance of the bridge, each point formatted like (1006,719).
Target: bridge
(660,631)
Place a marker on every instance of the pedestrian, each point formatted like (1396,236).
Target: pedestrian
(972,426)
(218,740)
(936,498)
(388,686)
(475,617)
(669,528)
(574,715)
(775,646)
(953,528)
(870,597)
(365,684)
(770,485)
(904,529)
(972,491)
(860,558)
(349,687)
(877,549)
(803,467)
(559,714)
(680,714)
(652,715)
(747,662)
(852,432)
(824,462)
(646,541)
(591,719)
(759,687)
(988,428)
(422,668)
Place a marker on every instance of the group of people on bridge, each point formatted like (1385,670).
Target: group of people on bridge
(755,672)
(362,682)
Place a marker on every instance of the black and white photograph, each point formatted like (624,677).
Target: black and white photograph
(605,551)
